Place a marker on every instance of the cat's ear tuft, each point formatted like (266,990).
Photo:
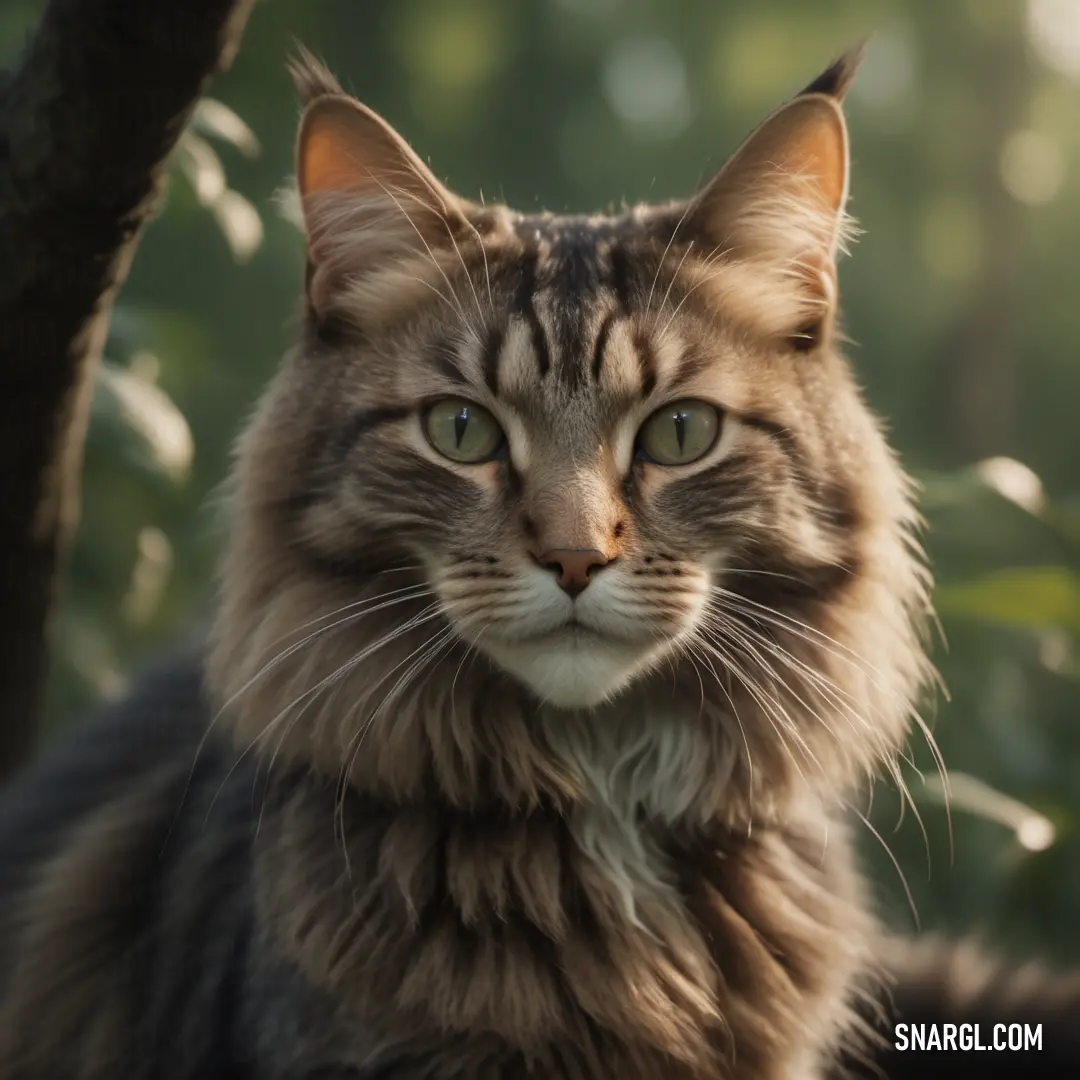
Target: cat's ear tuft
(780,200)
(836,79)
(311,76)
(368,201)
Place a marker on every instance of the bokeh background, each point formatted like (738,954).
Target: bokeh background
(962,299)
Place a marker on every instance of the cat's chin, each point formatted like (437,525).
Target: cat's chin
(572,668)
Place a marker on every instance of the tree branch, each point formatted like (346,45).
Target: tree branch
(86,125)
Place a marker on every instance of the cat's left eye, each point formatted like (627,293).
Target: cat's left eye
(463,431)
(679,433)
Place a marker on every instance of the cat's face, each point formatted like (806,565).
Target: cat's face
(578,446)
(576,438)
(600,448)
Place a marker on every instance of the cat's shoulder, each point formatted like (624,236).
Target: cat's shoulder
(160,721)
(131,778)
(125,889)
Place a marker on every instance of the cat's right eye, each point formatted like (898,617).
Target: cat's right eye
(463,431)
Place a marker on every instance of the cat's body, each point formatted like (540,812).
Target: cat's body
(136,943)
(570,594)
(130,944)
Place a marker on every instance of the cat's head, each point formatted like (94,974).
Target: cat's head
(583,454)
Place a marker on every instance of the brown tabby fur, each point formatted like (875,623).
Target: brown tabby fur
(491,879)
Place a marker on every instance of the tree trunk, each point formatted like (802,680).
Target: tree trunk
(86,125)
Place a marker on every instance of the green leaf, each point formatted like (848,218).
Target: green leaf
(239,222)
(1031,598)
(979,523)
(216,118)
(199,162)
(129,399)
(1034,831)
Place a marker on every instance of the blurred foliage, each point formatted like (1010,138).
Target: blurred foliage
(962,301)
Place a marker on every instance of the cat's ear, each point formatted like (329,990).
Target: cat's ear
(367,199)
(345,148)
(780,199)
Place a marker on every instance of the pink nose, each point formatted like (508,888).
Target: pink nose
(573,565)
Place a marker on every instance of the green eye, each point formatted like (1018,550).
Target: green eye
(462,431)
(679,433)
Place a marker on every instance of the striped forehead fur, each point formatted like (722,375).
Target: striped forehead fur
(403,260)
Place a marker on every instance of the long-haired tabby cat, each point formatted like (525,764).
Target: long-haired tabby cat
(570,595)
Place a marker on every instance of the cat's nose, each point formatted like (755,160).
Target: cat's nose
(573,566)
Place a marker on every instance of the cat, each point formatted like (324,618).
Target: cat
(570,593)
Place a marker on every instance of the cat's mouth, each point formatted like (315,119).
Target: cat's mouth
(571,665)
(578,633)
(572,630)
